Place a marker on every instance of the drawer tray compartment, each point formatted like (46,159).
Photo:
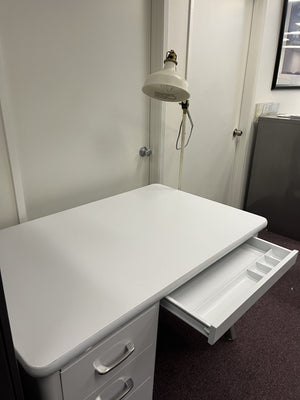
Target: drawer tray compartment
(216,298)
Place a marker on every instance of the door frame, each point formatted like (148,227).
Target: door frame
(158,43)
(10,137)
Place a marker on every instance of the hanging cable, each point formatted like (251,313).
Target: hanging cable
(180,131)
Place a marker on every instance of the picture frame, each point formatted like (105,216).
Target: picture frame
(287,64)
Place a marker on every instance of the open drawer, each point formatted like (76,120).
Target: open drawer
(216,298)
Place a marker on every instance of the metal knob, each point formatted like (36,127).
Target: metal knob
(237,132)
(144,151)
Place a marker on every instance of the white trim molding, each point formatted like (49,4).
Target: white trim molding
(9,132)
(159,38)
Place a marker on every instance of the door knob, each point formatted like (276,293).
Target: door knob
(237,132)
(144,151)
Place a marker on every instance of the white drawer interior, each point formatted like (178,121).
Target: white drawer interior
(218,296)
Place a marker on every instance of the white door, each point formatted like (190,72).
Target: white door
(219,38)
(74,114)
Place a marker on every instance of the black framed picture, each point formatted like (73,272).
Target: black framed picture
(287,65)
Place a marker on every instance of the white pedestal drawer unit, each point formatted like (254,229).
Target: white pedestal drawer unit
(118,365)
(83,286)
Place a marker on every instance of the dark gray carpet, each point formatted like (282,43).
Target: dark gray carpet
(263,363)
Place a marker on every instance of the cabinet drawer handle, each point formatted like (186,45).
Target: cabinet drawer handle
(104,369)
(128,386)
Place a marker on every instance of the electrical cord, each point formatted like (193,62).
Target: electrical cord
(180,129)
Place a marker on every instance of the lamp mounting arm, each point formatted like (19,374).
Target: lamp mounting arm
(185,110)
(171,56)
(185,105)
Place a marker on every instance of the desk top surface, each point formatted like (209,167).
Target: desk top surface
(72,277)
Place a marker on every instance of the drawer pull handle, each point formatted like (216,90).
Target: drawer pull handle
(128,386)
(104,369)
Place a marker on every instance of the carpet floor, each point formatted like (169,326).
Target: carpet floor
(263,363)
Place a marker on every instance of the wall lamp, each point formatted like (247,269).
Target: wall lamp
(167,85)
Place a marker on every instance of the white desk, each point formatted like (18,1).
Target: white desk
(73,278)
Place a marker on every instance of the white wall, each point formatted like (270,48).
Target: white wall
(289,99)
(73,104)
(64,161)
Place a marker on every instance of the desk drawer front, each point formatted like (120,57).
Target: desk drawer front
(216,298)
(100,364)
(130,379)
(144,392)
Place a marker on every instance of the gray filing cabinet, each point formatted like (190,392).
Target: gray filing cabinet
(274,180)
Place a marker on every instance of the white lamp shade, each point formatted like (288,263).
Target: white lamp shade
(166,85)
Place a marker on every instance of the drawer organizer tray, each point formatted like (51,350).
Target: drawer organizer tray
(217,297)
